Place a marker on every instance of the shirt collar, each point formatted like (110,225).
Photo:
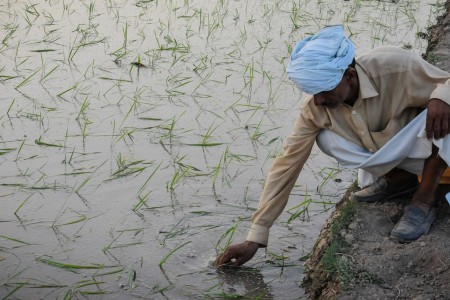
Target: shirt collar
(366,88)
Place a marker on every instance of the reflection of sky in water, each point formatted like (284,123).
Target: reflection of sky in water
(86,136)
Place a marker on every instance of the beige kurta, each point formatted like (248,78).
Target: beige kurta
(395,85)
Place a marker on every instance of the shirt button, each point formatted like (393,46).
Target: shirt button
(354,112)
(363,133)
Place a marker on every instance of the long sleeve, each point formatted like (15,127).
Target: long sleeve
(282,177)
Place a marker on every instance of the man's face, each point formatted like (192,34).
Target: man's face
(345,92)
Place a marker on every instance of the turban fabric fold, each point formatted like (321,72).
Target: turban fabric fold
(319,61)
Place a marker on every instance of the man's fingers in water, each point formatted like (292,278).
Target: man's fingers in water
(226,258)
(240,261)
(222,260)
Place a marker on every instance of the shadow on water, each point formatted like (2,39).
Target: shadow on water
(250,279)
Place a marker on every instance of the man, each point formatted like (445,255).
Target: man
(367,114)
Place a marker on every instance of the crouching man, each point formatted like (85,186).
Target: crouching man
(386,113)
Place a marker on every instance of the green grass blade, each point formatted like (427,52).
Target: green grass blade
(19,286)
(15,240)
(161,263)
(71,266)
(26,80)
(22,204)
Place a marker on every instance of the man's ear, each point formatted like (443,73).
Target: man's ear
(350,73)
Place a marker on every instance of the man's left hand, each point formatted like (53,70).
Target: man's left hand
(438,119)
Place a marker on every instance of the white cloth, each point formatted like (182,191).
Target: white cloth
(407,150)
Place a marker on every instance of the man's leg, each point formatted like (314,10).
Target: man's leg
(395,183)
(433,169)
(420,214)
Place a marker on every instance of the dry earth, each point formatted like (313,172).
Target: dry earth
(371,265)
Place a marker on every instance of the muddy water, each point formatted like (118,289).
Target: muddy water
(135,134)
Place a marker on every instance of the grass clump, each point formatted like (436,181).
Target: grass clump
(333,263)
(336,262)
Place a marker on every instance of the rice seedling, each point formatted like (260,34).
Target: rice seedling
(46,144)
(126,167)
(133,105)
(143,199)
(300,210)
(4,78)
(79,218)
(83,108)
(180,174)
(116,271)
(169,128)
(165,258)
(249,74)
(22,204)
(10,106)
(174,83)
(227,237)
(125,245)
(203,81)
(201,64)
(205,140)
(73,87)
(148,179)
(278,260)
(119,54)
(88,178)
(175,231)
(173,46)
(218,168)
(28,79)
(327,174)
(106,248)
(4,151)
(14,240)
(257,133)
(18,287)
(12,29)
(73,291)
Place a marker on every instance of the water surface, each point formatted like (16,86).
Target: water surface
(136,134)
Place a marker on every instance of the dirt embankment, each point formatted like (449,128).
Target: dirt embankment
(354,257)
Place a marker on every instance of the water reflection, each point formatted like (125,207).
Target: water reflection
(248,278)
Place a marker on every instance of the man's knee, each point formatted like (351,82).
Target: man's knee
(324,140)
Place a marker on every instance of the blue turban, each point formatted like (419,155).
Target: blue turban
(318,62)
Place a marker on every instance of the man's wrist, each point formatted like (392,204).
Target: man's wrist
(255,244)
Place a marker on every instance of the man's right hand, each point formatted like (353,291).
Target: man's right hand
(237,255)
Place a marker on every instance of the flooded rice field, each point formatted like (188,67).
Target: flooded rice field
(136,135)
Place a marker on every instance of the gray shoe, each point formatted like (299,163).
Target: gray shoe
(413,224)
(381,190)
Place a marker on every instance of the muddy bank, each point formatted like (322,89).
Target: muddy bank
(354,257)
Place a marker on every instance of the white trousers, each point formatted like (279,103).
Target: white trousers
(407,150)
